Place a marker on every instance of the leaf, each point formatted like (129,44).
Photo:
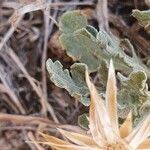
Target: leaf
(103,73)
(78,74)
(83,121)
(134,93)
(91,47)
(81,47)
(72,21)
(76,85)
(142,16)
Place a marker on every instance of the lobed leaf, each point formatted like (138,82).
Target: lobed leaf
(134,93)
(75,85)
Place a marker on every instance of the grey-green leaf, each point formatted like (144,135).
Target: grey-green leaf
(87,45)
(103,73)
(142,16)
(134,93)
(71,21)
(83,121)
(75,85)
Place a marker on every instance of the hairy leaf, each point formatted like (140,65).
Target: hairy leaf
(143,17)
(75,85)
(134,93)
(72,21)
(81,47)
(91,47)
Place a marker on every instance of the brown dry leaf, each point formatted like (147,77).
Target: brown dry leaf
(88,12)
(56,48)
(54,44)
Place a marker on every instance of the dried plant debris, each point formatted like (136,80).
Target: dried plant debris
(85,44)
(143,17)
(75,83)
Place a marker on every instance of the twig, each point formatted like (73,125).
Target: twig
(18,128)
(9,102)
(30,120)
(10,32)
(32,139)
(11,92)
(34,6)
(44,55)
(102,14)
(48,29)
(3,88)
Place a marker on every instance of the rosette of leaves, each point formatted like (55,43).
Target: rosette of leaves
(132,96)
(95,49)
(85,44)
